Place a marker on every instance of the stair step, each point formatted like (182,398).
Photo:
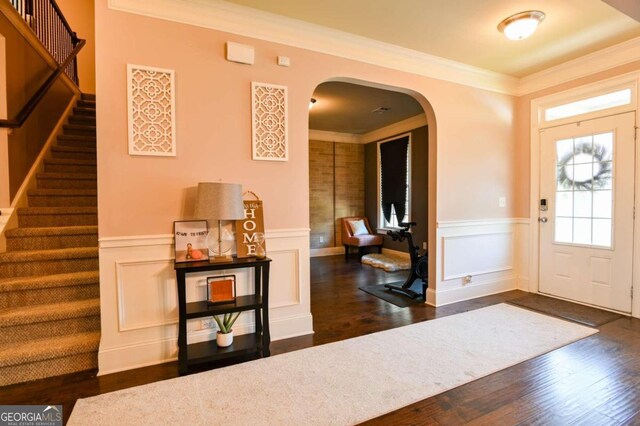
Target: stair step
(62,197)
(19,324)
(76,138)
(48,357)
(83,143)
(48,282)
(66,180)
(25,263)
(88,96)
(57,216)
(69,165)
(86,104)
(56,237)
(49,312)
(77,129)
(69,289)
(84,111)
(84,120)
(79,152)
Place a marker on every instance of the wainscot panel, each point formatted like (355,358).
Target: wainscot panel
(138,297)
(479,258)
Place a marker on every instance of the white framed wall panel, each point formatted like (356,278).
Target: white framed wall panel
(490,251)
(286,265)
(147,294)
(138,297)
(477,254)
(152,111)
(522,260)
(269,122)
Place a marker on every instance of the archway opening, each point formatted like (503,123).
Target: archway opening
(349,122)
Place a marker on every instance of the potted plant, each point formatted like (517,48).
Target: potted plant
(224,337)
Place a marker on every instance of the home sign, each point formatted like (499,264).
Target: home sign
(250,230)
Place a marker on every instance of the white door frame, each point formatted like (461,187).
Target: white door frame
(537,105)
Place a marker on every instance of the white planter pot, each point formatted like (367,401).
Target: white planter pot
(224,340)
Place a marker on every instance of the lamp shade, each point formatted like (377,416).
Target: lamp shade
(219,201)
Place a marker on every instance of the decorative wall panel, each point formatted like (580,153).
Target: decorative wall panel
(476,254)
(151,111)
(269,119)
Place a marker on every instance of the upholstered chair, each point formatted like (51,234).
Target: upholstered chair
(361,237)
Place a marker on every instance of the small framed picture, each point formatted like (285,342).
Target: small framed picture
(221,289)
(191,240)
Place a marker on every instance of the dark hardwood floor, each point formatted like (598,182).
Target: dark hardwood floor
(595,381)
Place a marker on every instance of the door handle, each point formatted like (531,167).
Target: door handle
(543,220)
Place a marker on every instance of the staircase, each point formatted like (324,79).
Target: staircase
(49,289)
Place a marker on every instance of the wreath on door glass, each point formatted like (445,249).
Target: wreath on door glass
(585,154)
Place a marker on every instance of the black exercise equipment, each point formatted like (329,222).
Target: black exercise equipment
(419,263)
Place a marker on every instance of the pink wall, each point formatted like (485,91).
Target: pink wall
(523,130)
(25,72)
(144,195)
(80,15)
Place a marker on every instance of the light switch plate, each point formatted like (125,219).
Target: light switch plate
(284,61)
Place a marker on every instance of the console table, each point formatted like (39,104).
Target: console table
(254,343)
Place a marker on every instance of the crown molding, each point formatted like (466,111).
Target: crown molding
(403,126)
(326,136)
(245,21)
(602,60)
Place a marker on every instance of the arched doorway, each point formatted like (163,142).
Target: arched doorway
(348,121)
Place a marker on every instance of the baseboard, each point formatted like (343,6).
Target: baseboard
(523,284)
(327,251)
(392,252)
(431,297)
(472,291)
(159,351)
(138,355)
(294,326)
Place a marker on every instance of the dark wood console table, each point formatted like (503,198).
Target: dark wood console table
(254,343)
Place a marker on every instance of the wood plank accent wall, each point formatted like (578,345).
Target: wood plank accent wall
(336,189)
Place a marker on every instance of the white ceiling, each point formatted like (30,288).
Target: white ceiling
(347,108)
(465,30)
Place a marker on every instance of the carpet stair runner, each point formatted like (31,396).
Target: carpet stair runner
(49,281)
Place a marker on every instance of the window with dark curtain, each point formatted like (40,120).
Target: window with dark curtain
(393,177)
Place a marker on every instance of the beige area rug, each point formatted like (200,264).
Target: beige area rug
(345,382)
(388,262)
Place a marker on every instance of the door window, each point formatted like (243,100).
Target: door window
(584,190)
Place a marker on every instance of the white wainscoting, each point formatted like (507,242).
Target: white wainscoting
(138,297)
(494,253)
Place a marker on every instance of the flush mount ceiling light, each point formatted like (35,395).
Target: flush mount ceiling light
(521,25)
(312,102)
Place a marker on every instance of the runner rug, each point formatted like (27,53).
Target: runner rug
(344,382)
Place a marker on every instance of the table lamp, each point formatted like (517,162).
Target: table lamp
(219,201)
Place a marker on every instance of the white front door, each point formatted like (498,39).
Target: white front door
(586,233)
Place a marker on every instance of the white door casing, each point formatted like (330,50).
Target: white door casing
(587,178)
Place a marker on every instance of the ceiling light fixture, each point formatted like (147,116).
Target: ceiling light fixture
(521,25)
(312,102)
